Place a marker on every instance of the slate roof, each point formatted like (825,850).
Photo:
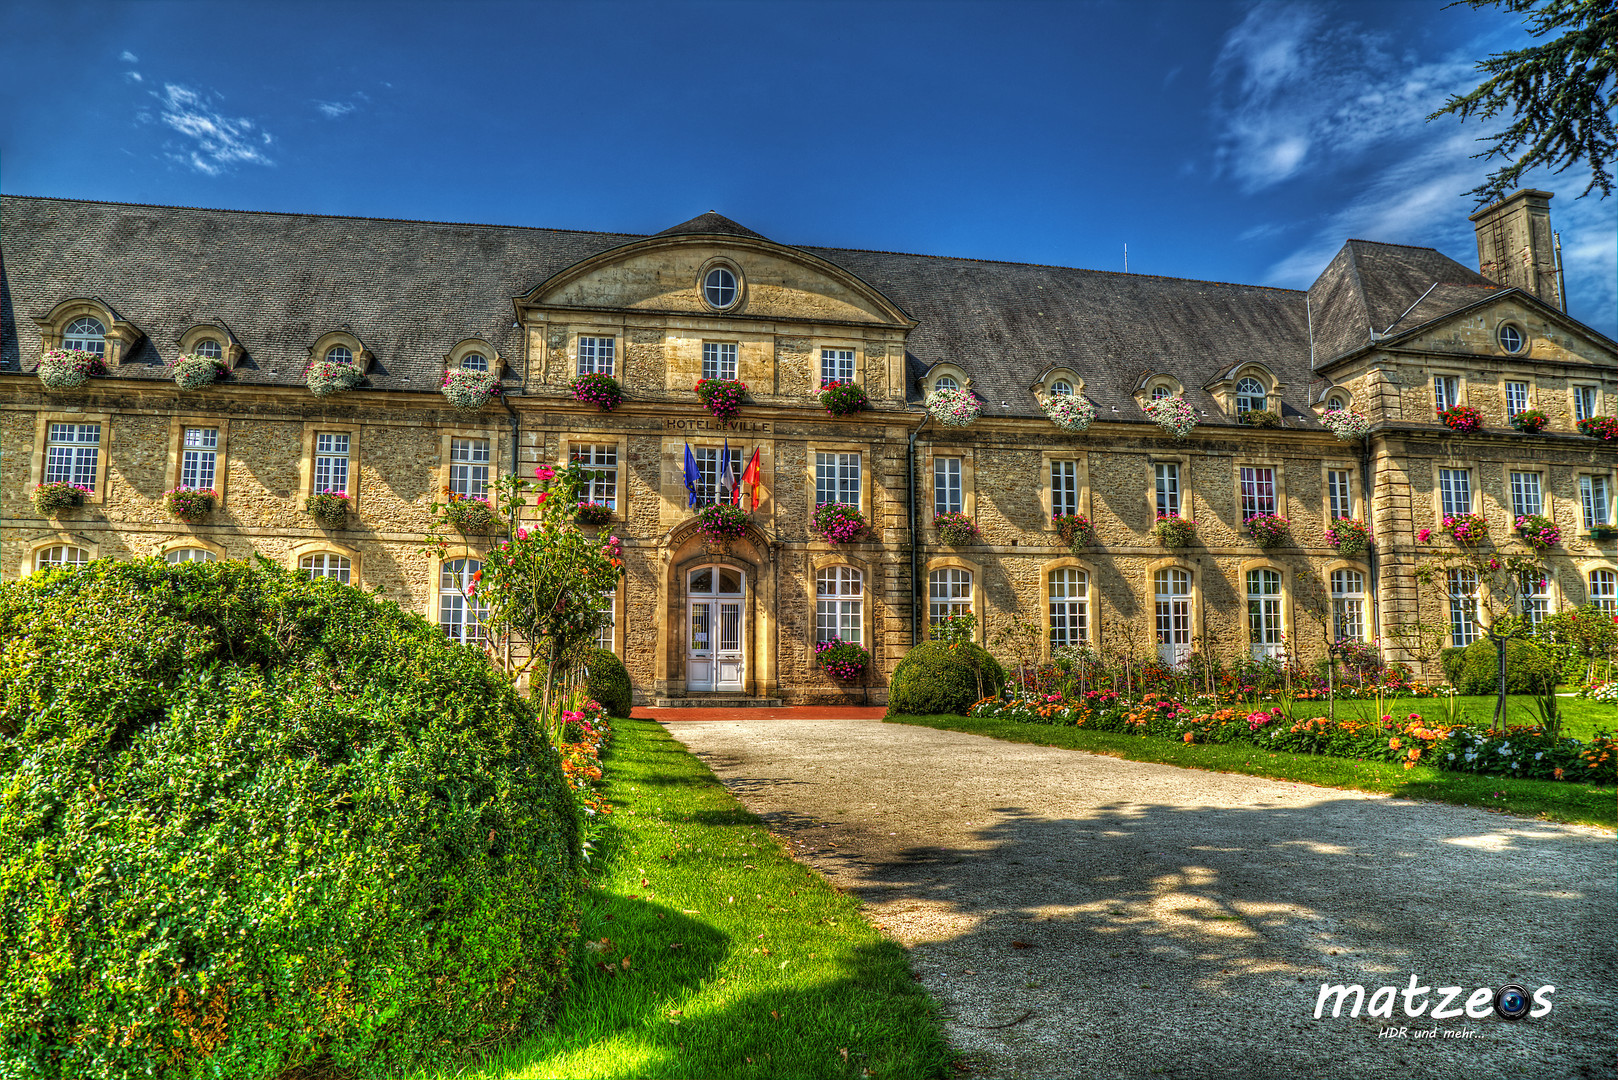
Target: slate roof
(410,290)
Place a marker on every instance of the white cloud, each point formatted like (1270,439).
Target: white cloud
(334,109)
(129,57)
(218,142)
(133,76)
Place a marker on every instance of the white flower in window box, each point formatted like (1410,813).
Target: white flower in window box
(193,372)
(1346,424)
(63,369)
(469,389)
(1070,412)
(953,408)
(1173,415)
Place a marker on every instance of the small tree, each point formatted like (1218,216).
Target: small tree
(1022,637)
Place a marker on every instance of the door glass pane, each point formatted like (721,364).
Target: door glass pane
(730,581)
(702,580)
(730,628)
(699,629)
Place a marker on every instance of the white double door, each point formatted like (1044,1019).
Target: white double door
(714,657)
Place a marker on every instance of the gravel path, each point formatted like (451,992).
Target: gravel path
(1081,916)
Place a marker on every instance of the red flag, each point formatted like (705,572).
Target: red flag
(751,477)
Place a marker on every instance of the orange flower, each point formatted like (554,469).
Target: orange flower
(1394,743)
(1188,736)
(1558,773)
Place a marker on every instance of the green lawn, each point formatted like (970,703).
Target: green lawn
(1577,803)
(713,954)
(1581,717)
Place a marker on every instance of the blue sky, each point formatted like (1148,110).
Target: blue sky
(1225,141)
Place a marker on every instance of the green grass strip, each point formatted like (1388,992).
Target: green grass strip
(740,961)
(1578,804)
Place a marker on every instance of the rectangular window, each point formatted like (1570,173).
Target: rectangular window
(1584,402)
(600,467)
(605,633)
(1264,613)
(1168,488)
(198,457)
(1516,397)
(1339,493)
(1064,487)
(469,468)
(1258,492)
(1534,597)
(840,604)
(1593,494)
(1525,494)
(708,488)
(949,592)
(1604,590)
(1463,585)
(331,461)
(837,479)
(1069,603)
(596,355)
(1455,491)
(836,366)
(1348,604)
(947,497)
(71,453)
(1446,392)
(718,360)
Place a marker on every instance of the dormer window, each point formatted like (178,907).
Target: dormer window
(475,361)
(1336,402)
(1061,388)
(1161,391)
(209,349)
(85,335)
(719,288)
(339,354)
(946,382)
(1250,396)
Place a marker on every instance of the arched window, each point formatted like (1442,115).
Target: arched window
(839,603)
(946,382)
(60,555)
(1264,612)
(1070,607)
(209,348)
(460,612)
(1336,401)
(1061,388)
(1348,605)
(325,564)
(85,335)
(1172,588)
(475,361)
(180,555)
(339,354)
(1604,590)
(949,592)
(1250,395)
(1161,391)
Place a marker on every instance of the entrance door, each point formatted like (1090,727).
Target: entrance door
(1173,589)
(715,630)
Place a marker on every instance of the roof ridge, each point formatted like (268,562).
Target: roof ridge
(1384,243)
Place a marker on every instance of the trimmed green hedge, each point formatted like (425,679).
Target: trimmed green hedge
(1474,669)
(938,678)
(255,824)
(609,682)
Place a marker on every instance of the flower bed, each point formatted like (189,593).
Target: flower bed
(842,659)
(1173,415)
(329,507)
(843,398)
(592,513)
(1529,421)
(470,515)
(1172,530)
(602,391)
(327,377)
(1462,419)
(63,369)
(57,495)
(1350,536)
(1074,529)
(1268,529)
(955,528)
(1467,528)
(837,523)
(468,389)
(190,504)
(584,738)
(1604,428)
(721,523)
(1265,418)
(721,397)
(1346,424)
(1070,412)
(953,408)
(1539,532)
(193,372)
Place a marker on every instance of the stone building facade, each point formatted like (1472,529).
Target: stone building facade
(1383,330)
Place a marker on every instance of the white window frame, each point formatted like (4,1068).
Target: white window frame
(1250,395)
(1266,631)
(1172,602)
(719,360)
(1166,477)
(837,478)
(1446,392)
(327,564)
(946,382)
(1348,604)
(949,592)
(840,604)
(597,355)
(1463,608)
(1586,402)
(85,334)
(707,462)
(607,634)
(189,554)
(599,463)
(1068,601)
(469,463)
(1340,493)
(1604,589)
(461,617)
(72,454)
(1061,388)
(949,491)
(1454,490)
(332,461)
(1064,478)
(339,354)
(836,366)
(720,287)
(1527,494)
(1534,597)
(1258,491)
(199,458)
(1595,497)
(1516,397)
(60,555)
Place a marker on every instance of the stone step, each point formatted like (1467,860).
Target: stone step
(717,701)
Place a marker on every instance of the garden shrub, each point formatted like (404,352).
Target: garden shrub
(1452,661)
(285,829)
(609,682)
(938,678)
(1527,668)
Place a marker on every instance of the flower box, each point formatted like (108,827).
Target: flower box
(328,507)
(470,515)
(1466,528)
(1346,424)
(1070,412)
(63,369)
(1462,419)
(1603,532)
(843,399)
(1350,536)
(1539,532)
(592,513)
(1074,529)
(1268,530)
(1265,418)
(193,372)
(842,659)
(1172,530)
(58,495)
(190,504)
(1529,421)
(602,391)
(721,397)
(1172,414)
(837,523)
(327,377)
(468,389)
(721,523)
(956,529)
(1604,428)
(953,408)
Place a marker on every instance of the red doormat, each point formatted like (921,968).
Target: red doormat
(798,712)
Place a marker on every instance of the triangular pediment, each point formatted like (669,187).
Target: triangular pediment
(1474,329)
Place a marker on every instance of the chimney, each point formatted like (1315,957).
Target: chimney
(1516,247)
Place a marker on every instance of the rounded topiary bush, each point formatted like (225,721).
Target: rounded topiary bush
(286,828)
(1528,668)
(609,682)
(938,678)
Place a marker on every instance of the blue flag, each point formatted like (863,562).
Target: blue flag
(727,482)
(691,477)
